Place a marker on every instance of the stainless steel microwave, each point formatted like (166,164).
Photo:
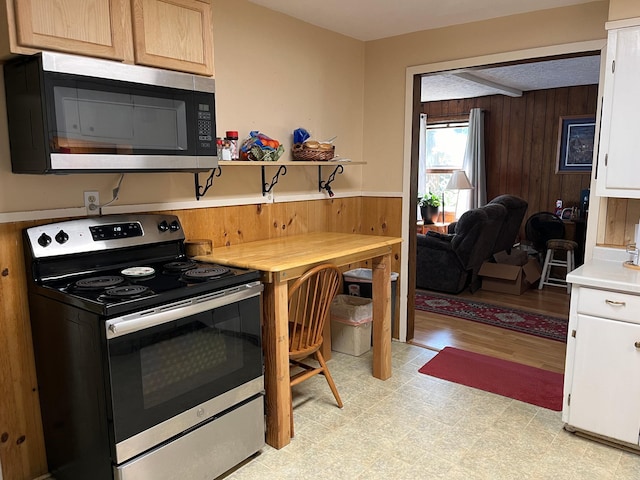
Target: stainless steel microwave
(71,114)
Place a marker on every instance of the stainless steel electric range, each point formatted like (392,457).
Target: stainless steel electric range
(149,364)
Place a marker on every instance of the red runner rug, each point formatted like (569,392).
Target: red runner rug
(510,318)
(520,382)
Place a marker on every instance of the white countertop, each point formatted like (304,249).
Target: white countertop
(607,272)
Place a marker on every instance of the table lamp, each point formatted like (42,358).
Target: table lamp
(458,181)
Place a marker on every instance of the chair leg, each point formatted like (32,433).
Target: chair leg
(329,378)
(570,265)
(545,269)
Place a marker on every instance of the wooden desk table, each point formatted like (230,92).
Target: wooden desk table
(286,258)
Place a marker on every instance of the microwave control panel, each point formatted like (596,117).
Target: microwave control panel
(206,126)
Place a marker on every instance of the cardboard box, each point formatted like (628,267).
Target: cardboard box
(512,279)
(515,257)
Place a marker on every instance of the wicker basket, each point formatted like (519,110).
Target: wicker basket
(298,152)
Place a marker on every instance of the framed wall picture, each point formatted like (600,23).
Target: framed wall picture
(575,143)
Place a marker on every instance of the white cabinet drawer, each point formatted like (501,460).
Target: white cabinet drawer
(606,304)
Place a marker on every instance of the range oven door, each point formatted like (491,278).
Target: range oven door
(175,366)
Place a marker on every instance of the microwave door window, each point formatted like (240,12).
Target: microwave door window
(90,121)
(159,123)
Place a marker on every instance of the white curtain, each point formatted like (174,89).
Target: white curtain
(422,162)
(422,165)
(474,165)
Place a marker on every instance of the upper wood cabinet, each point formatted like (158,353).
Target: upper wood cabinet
(172,34)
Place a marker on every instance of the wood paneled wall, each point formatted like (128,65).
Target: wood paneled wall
(22,450)
(522,139)
(621,218)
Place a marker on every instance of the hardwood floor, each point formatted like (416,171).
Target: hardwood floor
(435,331)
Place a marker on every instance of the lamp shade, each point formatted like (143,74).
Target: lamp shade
(459,181)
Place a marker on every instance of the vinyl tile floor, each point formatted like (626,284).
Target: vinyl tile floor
(414,426)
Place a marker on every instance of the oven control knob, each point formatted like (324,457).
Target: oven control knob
(44,240)
(174,226)
(62,237)
(113,329)
(163,226)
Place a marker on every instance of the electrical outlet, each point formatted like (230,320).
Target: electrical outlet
(92,203)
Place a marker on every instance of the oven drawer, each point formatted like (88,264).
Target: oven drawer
(206,452)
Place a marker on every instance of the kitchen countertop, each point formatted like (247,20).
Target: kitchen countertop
(606,271)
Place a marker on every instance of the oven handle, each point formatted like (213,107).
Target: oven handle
(134,322)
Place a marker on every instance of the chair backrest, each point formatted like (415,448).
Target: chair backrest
(516,209)
(310,299)
(468,230)
(483,249)
(543,226)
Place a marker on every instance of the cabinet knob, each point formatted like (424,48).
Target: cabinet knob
(637,345)
(613,303)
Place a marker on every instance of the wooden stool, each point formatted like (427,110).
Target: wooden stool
(568,246)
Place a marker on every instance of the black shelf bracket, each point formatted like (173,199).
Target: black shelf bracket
(322,185)
(266,188)
(200,191)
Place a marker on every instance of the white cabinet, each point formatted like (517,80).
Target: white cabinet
(619,150)
(602,374)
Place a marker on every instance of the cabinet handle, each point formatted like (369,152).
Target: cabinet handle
(637,345)
(613,303)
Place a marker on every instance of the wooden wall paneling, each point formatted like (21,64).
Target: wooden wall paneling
(289,218)
(528,146)
(531,178)
(538,131)
(516,134)
(243,223)
(616,219)
(22,447)
(318,215)
(492,155)
(503,155)
(632,218)
(344,215)
(546,200)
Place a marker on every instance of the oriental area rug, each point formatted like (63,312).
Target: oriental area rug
(513,380)
(513,319)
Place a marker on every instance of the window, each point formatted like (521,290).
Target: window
(443,153)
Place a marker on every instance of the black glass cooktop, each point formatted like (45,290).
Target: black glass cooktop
(129,288)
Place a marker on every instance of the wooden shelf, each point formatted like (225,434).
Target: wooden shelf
(224,163)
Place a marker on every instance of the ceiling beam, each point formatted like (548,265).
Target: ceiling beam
(511,92)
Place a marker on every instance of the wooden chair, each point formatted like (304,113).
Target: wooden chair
(310,299)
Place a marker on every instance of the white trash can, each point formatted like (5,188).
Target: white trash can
(351,324)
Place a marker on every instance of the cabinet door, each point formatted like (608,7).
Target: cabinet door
(621,104)
(174,34)
(85,27)
(605,391)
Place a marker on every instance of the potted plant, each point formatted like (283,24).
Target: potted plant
(429,204)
